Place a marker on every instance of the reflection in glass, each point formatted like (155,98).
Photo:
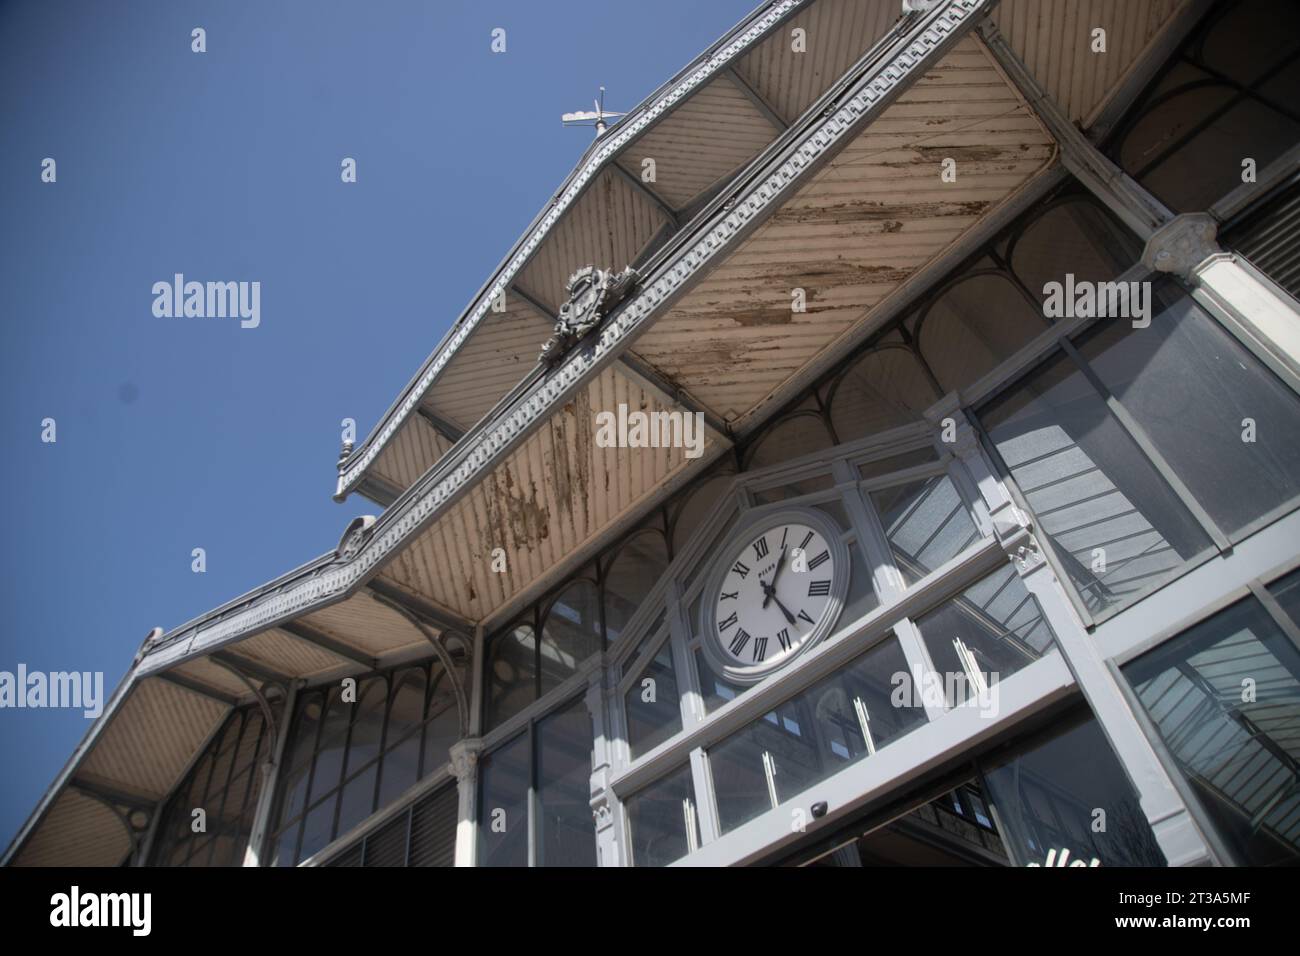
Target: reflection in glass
(1117,527)
(571,633)
(566,835)
(976,325)
(662,820)
(797,435)
(504,777)
(222,782)
(884,389)
(827,727)
(640,564)
(652,704)
(1225,698)
(1195,389)
(926,523)
(511,673)
(1067,802)
(345,759)
(988,632)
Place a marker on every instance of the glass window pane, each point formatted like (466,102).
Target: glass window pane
(794,437)
(328,772)
(566,833)
(1067,802)
(401,767)
(358,800)
(504,779)
(659,817)
(974,326)
(367,724)
(1194,389)
(1075,238)
(886,388)
(1117,527)
(571,633)
(640,564)
(698,507)
(715,689)
(829,726)
(318,827)
(653,705)
(511,673)
(1251,37)
(442,731)
(995,627)
(1193,176)
(926,522)
(861,597)
(1287,593)
(1225,698)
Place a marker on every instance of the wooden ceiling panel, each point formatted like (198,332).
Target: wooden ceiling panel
(861,226)
(551,496)
(837,33)
(607,227)
(707,138)
(1054,38)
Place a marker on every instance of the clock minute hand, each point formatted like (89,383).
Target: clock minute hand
(771,593)
(769,590)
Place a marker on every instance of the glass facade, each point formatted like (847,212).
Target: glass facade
(354,747)
(209,820)
(835,723)
(1229,94)
(1224,696)
(1066,801)
(1130,445)
(535,794)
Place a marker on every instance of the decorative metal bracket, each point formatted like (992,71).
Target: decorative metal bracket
(1182,244)
(592,295)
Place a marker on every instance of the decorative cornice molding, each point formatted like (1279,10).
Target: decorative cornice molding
(327,583)
(623,133)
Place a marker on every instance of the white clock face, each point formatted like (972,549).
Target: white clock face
(776,591)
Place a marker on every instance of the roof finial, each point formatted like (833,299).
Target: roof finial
(594,118)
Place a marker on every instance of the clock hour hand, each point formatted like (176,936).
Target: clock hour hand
(771,593)
(769,590)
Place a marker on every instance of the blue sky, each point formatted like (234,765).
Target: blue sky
(175,434)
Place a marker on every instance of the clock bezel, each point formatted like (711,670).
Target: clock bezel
(744,534)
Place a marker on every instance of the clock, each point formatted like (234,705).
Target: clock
(776,590)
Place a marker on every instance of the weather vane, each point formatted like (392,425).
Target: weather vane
(594,118)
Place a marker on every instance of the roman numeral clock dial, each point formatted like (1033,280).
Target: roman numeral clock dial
(776,591)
